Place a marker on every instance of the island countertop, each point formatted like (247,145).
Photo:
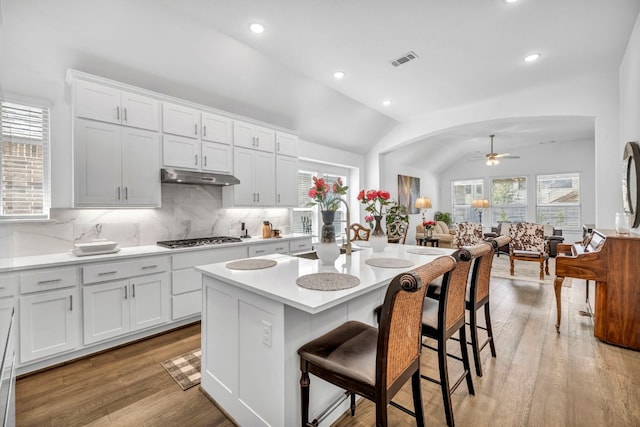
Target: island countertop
(279,282)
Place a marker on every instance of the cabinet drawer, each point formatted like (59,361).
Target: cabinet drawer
(186,280)
(45,280)
(9,285)
(118,270)
(269,248)
(300,246)
(210,256)
(186,305)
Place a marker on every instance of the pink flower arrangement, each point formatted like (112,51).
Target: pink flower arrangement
(375,201)
(369,220)
(428,225)
(325,194)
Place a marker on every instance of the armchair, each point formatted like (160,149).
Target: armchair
(441,231)
(553,238)
(468,234)
(528,244)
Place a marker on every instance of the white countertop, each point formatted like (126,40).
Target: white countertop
(279,282)
(67,258)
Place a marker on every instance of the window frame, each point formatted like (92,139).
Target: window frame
(578,204)
(475,194)
(496,218)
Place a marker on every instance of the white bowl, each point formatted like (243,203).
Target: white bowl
(98,246)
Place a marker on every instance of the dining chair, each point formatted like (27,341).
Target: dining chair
(528,244)
(358,232)
(444,317)
(397,231)
(375,362)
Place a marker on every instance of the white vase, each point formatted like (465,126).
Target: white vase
(327,253)
(378,243)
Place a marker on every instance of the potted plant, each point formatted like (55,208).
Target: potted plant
(396,211)
(443,216)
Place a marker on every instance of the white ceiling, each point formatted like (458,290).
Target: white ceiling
(201,50)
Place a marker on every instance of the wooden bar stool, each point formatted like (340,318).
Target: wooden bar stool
(375,362)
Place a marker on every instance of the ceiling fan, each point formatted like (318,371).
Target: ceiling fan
(493,158)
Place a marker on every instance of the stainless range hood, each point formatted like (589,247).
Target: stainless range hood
(192,177)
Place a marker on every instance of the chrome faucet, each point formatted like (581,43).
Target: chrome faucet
(348,244)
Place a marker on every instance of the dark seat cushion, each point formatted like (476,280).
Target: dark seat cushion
(349,350)
(430,317)
(433,288)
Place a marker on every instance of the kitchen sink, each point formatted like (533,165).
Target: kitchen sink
(313,255)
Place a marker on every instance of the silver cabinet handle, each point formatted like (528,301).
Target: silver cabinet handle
(149,266)
(254,197)
(44,282)
(125,114)
(278,146)
(118,193)
(126,193)
(70,302)
(133,291)
(258,199)
(257,141)
(253,141)
(118,113)
(280,248)
(106,273)
(259,251)
(205,160)
(195,129)
(196,160)
(278,197)
(204,130)
(125,292)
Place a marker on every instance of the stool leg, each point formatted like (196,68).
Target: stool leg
(444,380)
(487,318)
(353,404)
(304,395)
(381,411)
(542,269)
(473,325)
(465,358)
(417,398)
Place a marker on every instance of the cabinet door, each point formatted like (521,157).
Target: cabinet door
(265,178)
(49,324)
(286,144)
(97,102)
(150,301)
(97,163)
(105,310)
(286,181)
(141,167)
(140,111)
(244,194)
(179,120)
(217,157)
(180,152)
(265,139)
(243,135)
(217,128)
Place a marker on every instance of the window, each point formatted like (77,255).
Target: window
(306,219)
(24,162)
(558,200)
(463,193)
(509,199)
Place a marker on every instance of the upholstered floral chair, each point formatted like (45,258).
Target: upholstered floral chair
(528,244)
(468,234)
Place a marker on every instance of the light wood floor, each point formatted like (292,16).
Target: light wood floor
(539,378)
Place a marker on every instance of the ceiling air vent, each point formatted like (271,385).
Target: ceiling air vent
(403,59)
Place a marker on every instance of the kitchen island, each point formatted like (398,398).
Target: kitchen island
(254,321)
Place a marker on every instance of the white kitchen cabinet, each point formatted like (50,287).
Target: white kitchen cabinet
(180,120)
(217,157)
(286,144)
(107,104)
(256,172)
(49,323)
(279,247)
(118,307)
(253,136)
(286,181)
(217,128)
(180,152)
(116,166)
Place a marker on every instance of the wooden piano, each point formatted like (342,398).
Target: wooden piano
(613,261)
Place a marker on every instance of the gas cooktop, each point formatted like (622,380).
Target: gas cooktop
(200,241)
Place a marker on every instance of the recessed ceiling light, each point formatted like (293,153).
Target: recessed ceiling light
(510,1)
(338,74)
(386,102)
(257,28)
(532,57)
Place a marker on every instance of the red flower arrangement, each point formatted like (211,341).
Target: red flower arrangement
(428,225)
(325,194)
(375,201)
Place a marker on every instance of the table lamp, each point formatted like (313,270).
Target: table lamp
(479,205)
(423,203)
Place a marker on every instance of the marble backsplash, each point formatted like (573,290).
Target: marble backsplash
(187,211)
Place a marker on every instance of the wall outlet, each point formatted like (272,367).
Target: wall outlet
(266,333)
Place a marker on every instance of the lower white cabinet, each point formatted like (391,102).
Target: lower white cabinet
(49,323)
(115,308)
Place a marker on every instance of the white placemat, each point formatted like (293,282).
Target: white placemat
(389,262)
(328,281)
(250,264)
(426,251)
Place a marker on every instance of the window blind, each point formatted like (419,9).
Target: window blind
(24,162)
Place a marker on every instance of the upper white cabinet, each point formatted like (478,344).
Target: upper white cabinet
(217,128)
(286,181)
(180,120)
(286,144)
(115,166)
(256,172)
(252,136)
(106,104)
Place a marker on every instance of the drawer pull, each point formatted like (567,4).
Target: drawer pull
(125,292)
(133,291)
(149,266)
(260,251)
(280,249)
(2,287)
(44,282)
(106,273)
(70,302)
